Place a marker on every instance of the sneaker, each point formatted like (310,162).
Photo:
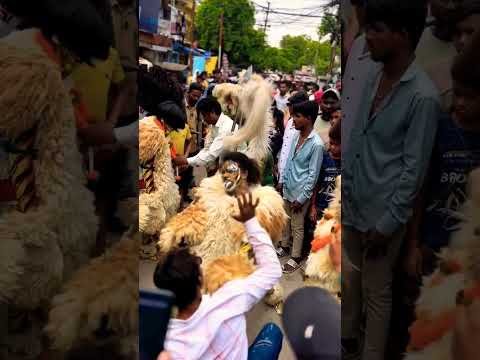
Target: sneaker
(290,266)
(281,252)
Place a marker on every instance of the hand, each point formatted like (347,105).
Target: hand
(296,206)
(335,252)
(376,243)
(313,214)
(413,263)
(98,134)
(247,207)
(164,356)
(466,335)
(180,161)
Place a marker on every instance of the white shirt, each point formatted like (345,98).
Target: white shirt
(217,330)
(214,144)
(288,136)
(357,71)
(281,101)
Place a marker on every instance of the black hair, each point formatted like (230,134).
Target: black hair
(161,99)
(283,82)
(76,23)
(209,105)
(278,119)
(406,15)
(330,94)
(180,273)
(316,86)
(195,86)
(465,69)
(298,97)
(309,109)
(250,165)
(335,132)
(325,87)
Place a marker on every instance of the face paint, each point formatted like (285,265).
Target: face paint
(231,176)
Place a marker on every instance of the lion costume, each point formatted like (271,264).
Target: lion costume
(455,281)
(320,270)
(209,230)
(160,198)
(51,231)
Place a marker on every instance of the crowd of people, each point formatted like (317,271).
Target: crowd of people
(410,131)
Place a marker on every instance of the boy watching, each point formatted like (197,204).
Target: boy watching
(298,180)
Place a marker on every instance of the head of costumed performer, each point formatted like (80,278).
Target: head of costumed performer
(238,172)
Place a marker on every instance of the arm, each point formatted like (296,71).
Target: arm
(418,148)
(241,295)
(209,153)
(188,145)
(119,98)
(313,172)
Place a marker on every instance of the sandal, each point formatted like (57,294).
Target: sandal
(281,253)
(290,266)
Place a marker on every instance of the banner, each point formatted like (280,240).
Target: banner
(148,13)
(211,64)
(198,66)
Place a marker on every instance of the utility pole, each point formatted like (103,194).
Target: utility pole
(266,18)
(220,42)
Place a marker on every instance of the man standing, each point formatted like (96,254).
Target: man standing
(290,131)
(282,97)
(221,126)
(390,146)
(298,180)
(193,95)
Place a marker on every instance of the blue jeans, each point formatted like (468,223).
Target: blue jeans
(267,345)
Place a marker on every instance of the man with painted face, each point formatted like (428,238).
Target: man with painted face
(390,145)
(238,173)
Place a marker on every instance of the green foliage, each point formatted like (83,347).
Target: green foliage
(247,46)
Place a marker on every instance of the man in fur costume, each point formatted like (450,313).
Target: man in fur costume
(248,104)
(51,230)
(454,283)
(323,264)
(209,230)
(102,314)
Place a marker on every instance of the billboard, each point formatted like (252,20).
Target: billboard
(148,15)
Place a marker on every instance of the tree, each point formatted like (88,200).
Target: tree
(241,41)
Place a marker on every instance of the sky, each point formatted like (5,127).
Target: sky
(281,25)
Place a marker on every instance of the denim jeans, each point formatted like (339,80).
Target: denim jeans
(267,344)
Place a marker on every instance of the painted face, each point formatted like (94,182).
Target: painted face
(231,176)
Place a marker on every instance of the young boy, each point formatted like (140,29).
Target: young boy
(331,168)
(298,180)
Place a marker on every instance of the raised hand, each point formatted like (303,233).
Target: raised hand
(247,207)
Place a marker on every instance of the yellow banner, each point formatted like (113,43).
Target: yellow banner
(211,64)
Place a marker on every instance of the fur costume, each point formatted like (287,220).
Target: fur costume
(455,281)
(157,206)
(99,305)
(320,270)
(44,243)
(208,228)
(249,104)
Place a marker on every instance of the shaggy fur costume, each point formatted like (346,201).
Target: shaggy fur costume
(99,305)
(157,207)
(456,280)
(208,228)
(249,104)
(42,247)
(319,270)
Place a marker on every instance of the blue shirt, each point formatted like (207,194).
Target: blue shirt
(329,172)
(302,168)
(455,155)
(389,152)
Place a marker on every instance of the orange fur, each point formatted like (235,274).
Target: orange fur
(226,268)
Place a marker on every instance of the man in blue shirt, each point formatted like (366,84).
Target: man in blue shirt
(390,147)
(298,180)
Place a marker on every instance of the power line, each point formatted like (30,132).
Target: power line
(266,18)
